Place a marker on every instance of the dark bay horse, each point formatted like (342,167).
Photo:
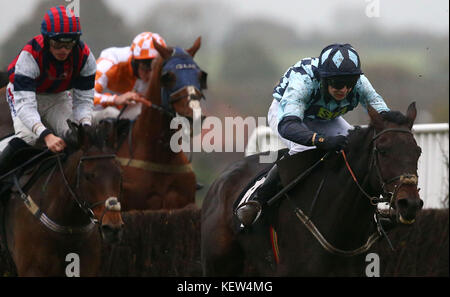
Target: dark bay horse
(67,205)
(155,175)
(337,208)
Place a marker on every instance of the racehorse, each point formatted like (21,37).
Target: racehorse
(66,207)
(324,223)
(155,175)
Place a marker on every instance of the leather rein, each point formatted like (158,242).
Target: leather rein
(193,94)
(387,197)
(111,203)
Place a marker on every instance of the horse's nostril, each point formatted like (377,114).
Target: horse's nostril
(407,203)
(107,228)
(402,203)
(111,229)
(420,203)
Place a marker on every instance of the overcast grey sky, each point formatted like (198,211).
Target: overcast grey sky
(421,15)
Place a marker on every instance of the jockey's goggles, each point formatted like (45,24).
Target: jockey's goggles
(57,44)
(145,65)
(341,81)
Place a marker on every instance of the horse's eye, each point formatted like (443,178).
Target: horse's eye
(168,79)
(202,76)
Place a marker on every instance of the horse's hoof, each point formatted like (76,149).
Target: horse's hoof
(249,212)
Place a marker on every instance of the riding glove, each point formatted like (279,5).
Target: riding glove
(331,143)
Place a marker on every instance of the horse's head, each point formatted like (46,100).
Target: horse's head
(395,157)
(98,178)
(181,79)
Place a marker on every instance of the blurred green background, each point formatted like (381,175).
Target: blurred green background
(246,56)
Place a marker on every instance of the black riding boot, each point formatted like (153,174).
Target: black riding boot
(249,212)
(5,157)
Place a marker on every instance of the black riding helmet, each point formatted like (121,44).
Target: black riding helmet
(339,66)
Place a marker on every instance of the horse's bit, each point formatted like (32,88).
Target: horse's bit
(387,197)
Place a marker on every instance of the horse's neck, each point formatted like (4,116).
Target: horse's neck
(57,202)
(151,132)
(354,213)
(151,137)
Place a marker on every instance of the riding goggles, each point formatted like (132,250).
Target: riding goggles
(145,65)
(60,44)
(342,81)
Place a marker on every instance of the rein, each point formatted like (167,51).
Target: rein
(387,197)
(406,178)
(111,204)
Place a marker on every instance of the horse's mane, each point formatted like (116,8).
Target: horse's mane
(97,136)
(153,90)
(359,134)
(395,117)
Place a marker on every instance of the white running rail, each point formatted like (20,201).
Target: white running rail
(433,168)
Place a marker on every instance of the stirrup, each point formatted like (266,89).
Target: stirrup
(249,212)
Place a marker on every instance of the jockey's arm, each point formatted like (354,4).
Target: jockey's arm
(105,69)
(369,95)
(293,129)
(83,92)
(292,109)
(26,73)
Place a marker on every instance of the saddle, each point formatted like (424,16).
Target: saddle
(27,162)
(290,168)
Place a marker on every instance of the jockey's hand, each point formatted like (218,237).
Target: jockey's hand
(54,143)
(331,143)
(130,98)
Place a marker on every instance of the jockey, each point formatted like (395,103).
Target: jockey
(50,81)
(307,110)
(123,74)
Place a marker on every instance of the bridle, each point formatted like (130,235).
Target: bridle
(390,197)
(177,61)
(168,98)
(111,203)
(406,178)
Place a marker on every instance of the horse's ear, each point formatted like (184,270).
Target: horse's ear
(165,52)
(72,136)
(376,119)
(194,48)
(111,128)
(83,136)
(411,114)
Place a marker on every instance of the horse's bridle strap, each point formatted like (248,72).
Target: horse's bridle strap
(391,130)
(155,167)
(328,246)
(45,220)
